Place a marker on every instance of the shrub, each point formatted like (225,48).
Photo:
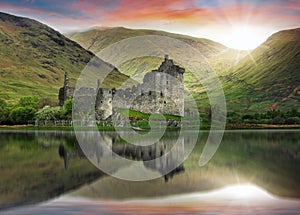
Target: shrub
(4,112)
(21,115)
(29,101)
(49,113)
(67,109)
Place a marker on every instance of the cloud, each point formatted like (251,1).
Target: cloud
(157,13)
(130,10)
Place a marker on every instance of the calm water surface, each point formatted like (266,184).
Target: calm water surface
(47,173)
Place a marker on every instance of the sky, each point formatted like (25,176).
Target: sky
(241,24)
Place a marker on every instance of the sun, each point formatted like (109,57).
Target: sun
(244,38)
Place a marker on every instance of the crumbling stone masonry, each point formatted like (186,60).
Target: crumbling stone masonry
(162,92)
(66,92)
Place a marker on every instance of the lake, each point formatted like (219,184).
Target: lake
(252,172)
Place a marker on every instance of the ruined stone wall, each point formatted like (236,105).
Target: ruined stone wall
(104,103)
(66,92)
(84,99)
(161,92)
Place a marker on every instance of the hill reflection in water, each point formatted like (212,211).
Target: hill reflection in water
(269,159)
(263,160)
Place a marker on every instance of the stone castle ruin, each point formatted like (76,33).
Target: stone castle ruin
(161,92)
(66,92)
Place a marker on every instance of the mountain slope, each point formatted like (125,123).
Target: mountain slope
(34,57)
(265,79)
(99,38)
(269,78)
(219,56)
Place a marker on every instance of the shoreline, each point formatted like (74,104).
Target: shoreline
(206,127)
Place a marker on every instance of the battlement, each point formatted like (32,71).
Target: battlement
(169,67)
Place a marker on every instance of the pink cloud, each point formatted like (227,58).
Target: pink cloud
(80,13)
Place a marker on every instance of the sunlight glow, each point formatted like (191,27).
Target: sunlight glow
(244,38)
(237,35)
(238,193)
(244,191)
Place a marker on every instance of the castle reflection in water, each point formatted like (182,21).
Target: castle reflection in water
(164,156)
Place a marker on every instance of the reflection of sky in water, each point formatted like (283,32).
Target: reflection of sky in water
(235,199)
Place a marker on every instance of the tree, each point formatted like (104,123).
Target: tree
(44,101)
(22,115)
(233,117)
(49,113)
(29,101)
(278,120)
(4,112)
(67,109)
(293,120)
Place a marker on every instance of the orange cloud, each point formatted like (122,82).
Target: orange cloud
(158,14)
(156,10)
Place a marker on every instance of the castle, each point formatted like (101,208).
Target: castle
(161,92)
(66,92)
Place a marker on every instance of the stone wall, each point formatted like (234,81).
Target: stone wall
(66,92)
(161,92)
(84,99)
(104,103)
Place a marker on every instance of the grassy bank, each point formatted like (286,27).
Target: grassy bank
(261,126)
(145,127)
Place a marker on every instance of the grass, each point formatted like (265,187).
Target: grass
(39,56)
(251,82)
(34,57)
(137,115)
(271,72)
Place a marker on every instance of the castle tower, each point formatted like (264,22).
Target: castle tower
(103,103)
(162,91)
(165,89)
(170,80)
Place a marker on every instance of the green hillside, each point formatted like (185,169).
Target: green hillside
(269,77)
(34,57)
(99,38)
(219,56)
(265,79)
